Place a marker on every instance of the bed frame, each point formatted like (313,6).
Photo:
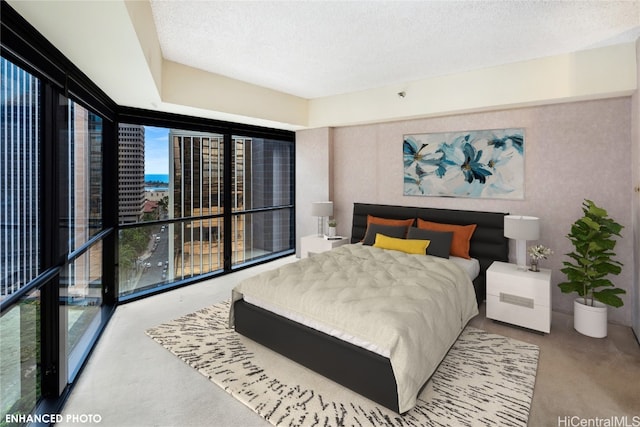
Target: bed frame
(360,370)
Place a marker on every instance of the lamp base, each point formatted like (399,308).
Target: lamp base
(320,226)
(521,254)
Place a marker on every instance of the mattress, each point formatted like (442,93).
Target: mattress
(469,266)
(411,307)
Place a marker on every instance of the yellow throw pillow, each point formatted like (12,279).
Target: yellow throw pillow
(410,246)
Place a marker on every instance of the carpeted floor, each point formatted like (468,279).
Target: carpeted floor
(486,379)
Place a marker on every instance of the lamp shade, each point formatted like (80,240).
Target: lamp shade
(521,227)
(321,208)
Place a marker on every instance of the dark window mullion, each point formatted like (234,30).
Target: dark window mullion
(227,200)
(50,244)
(110,215)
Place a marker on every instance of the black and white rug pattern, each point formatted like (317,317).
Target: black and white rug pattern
(485,379)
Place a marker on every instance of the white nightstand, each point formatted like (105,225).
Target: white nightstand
(519,297)
(315,244)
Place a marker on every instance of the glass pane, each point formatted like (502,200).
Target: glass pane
(144,257)
(198,247)
(260,234)
(80,173)
(262,173)
(153,255)
(168,173)
(19,177)
(20,361)
(179,175)
(80,300)
(195,187)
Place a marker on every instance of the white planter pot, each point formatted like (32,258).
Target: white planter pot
(588,320)
(331,232)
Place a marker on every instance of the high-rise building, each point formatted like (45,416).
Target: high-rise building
(258,166)
(195,190)
(268,181)
(131,170)
(82,215)
(19,178)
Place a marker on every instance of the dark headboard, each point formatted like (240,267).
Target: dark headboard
(488,243)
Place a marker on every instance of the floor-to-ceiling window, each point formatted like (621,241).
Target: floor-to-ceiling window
(174,185)
(51,239)
(262,193)
(80,143)
(19,238)
(171,205)
(101,204)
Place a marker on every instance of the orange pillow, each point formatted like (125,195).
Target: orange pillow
(461,235)
(386,221)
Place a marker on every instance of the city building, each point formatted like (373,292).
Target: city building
(196,190)
(131,168)
(258,166)
(19,179)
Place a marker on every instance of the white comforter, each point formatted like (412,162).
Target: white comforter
(413,305)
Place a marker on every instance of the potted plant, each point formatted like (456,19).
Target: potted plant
(332,228)
(591,262)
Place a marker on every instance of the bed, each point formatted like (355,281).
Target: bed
(372,367)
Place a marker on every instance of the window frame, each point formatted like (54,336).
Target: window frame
(137,116)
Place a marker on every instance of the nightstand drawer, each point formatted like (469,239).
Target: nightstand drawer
(519,312)
(533,289)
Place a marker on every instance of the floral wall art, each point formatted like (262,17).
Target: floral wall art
(477,164)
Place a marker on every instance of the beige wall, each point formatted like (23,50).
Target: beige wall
(314,169)
(573,151)
(590,74)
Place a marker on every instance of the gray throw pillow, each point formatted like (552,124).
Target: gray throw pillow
(440,245)
(397,231)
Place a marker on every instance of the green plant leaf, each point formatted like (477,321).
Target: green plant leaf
(608,268)
(594,210)
(588,222)
(609,297)
(568,287)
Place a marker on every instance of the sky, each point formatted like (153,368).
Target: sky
(156,150)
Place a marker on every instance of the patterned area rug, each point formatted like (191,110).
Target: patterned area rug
(484,380)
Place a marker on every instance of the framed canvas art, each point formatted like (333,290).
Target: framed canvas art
(477,164)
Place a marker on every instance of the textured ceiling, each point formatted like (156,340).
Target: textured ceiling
(319,48)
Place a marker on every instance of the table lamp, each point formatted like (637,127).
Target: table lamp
(321,210)
(521,228)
